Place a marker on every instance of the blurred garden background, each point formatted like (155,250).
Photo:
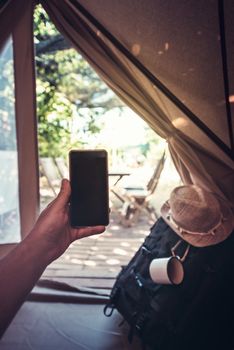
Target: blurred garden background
(77,110)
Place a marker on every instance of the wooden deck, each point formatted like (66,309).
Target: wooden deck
(95,261)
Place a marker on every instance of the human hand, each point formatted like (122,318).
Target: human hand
(53,228)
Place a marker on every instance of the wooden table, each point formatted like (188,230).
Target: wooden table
(119,175)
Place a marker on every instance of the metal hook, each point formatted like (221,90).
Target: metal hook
(173,249)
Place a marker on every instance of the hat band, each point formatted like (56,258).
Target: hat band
(210,232)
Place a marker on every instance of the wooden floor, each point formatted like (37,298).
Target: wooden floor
(95,261)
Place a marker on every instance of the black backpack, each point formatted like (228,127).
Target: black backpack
(197,314)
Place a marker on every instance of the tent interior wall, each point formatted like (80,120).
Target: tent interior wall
(171,62)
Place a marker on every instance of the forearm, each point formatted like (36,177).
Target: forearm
(19,271)
(50,237)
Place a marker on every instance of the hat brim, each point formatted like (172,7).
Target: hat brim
(203,240)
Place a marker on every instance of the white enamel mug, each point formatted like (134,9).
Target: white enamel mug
(167,270)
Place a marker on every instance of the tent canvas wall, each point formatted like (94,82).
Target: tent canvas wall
(172,62)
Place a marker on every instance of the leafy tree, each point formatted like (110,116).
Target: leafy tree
(68,90)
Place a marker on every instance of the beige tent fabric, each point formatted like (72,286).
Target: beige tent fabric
(200,161)
(142,96)
(179,43)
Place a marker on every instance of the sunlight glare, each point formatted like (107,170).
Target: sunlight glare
(180,122)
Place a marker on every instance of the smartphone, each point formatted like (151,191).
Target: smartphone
(89,201)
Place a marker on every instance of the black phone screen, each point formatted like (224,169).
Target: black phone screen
(89,202)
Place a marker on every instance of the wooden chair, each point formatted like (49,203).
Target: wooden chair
(136,200)
(62,167)
(49,169)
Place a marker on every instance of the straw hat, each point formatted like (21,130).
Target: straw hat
(201,218)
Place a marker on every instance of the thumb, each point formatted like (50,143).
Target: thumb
(64,194)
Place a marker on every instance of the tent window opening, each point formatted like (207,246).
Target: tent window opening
(76,109)
(9,184)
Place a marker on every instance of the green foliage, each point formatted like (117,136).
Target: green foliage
(43,28)
(68,92)
(70,95)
